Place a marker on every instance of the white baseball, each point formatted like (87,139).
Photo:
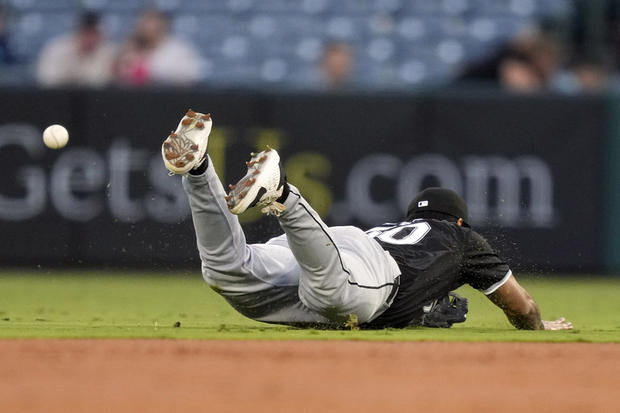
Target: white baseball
(55,136)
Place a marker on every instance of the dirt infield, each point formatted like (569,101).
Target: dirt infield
(274,376)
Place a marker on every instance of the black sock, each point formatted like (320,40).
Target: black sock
(202,168)
(285,193)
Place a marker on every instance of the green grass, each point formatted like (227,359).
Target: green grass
(60,304)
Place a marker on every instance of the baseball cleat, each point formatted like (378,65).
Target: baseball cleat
(186,147)
(261,186)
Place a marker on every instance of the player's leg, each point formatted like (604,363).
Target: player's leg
(220,238)
(228,262)
(343,271)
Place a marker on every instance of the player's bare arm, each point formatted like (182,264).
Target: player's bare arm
(521,310)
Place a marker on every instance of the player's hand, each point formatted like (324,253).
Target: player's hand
(559,324)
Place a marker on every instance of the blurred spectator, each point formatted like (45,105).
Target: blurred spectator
(590,76)
(528,63)
(337,64)
(81,58)
(508,69)
(152,56)
(518,73)
(6,55)
(585,75)
(543,51)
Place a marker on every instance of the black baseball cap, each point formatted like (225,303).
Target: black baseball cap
(442,200)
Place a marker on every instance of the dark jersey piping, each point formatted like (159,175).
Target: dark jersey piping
(338,252)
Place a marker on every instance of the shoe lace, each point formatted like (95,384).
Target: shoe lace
(273,208)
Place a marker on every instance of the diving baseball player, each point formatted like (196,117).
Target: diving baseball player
(315,275)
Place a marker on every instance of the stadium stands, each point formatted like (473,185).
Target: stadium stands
(397,43)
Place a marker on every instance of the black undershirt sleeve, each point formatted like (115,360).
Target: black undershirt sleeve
(482,268)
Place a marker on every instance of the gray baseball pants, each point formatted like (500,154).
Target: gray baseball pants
(310,274)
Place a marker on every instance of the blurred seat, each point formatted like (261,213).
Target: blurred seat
(192,6)
(115,6)
(233,72)
(117,26)
(347,28)
(31,31)
(297,26)
(554,7)
(422,7)
(43,5)
(16,75)
(349,7)
(387,6)
(280,6)
(208,31)
(309,49)
(274,70)
(413,72)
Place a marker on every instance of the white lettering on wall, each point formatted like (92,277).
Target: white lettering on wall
(76,184)
(82,184)
(499,191)
(476,178)
(30,178)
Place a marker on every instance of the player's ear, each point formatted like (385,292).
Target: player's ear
(459,222)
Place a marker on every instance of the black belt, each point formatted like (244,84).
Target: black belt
(394,291)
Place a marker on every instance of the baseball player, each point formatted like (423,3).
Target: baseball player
(329,276)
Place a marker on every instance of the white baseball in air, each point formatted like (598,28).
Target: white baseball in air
(55,136)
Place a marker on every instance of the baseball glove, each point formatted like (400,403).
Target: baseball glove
(444,312)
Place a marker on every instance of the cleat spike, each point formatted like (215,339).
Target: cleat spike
(227,198)
(185,148)
(261,186)
(206,116)
(231,186)
(252,154)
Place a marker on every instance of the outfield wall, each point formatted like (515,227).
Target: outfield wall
(533,170)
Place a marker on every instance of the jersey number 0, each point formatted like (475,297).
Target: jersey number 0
(405,233)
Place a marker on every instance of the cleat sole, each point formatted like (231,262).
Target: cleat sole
(186,147)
